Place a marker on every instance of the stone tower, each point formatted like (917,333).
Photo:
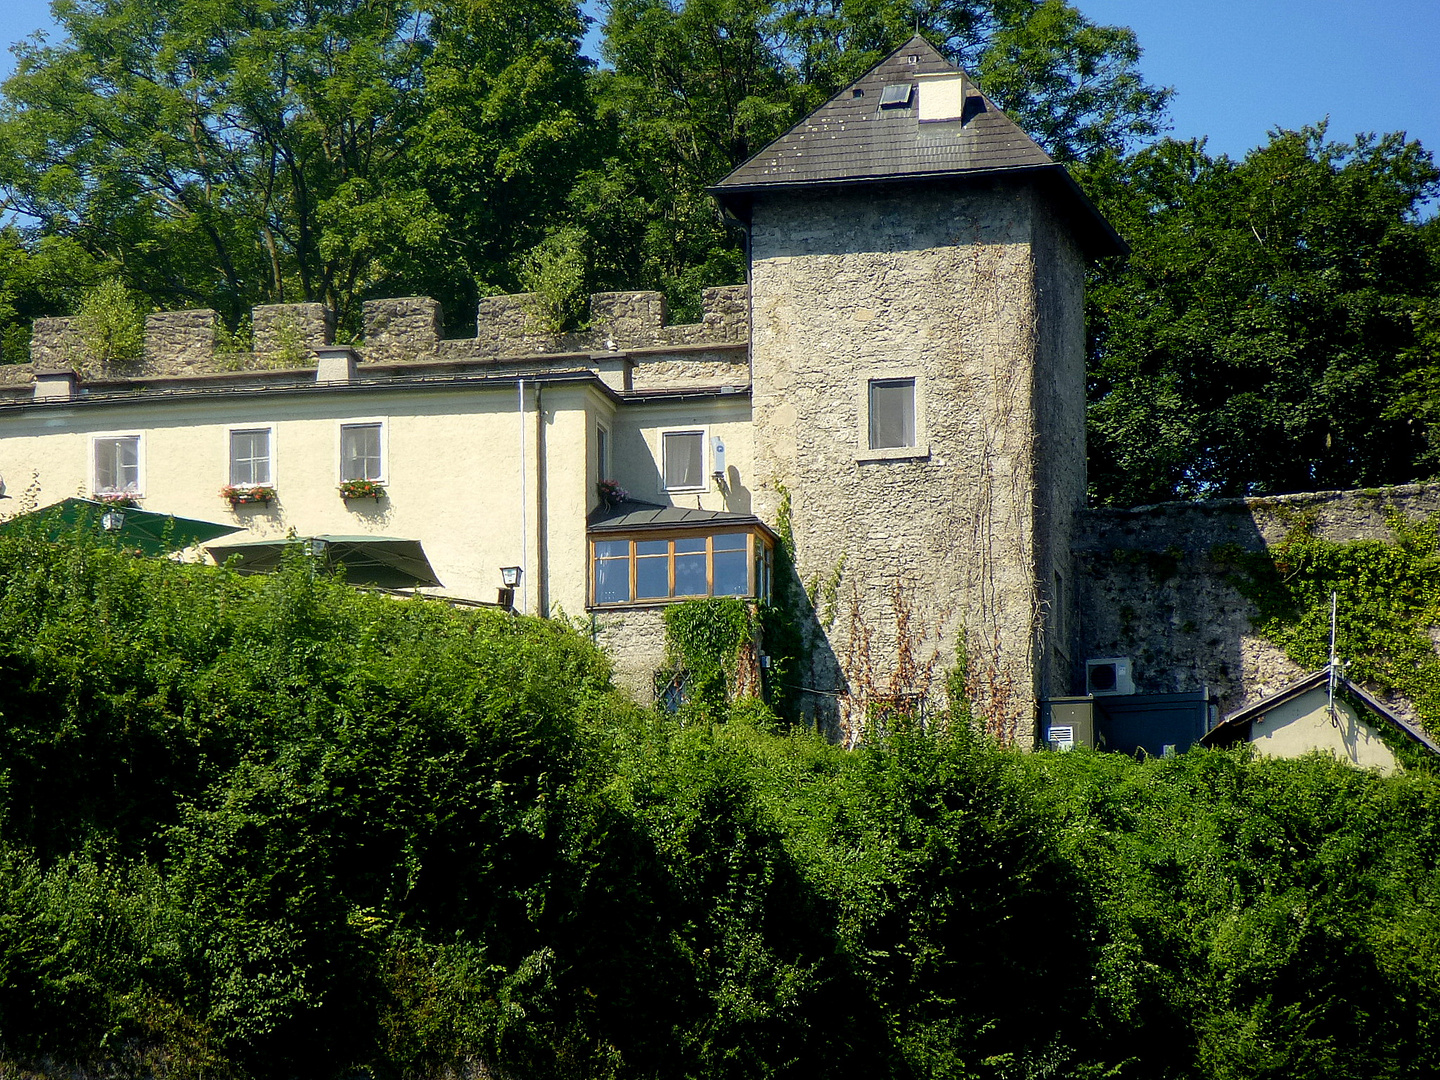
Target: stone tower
(917,284)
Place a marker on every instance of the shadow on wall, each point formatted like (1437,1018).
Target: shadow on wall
(1155,584)
(815,683)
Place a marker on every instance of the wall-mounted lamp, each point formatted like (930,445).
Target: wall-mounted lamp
(510,575)
(717,456)
(317,547)
(112,520)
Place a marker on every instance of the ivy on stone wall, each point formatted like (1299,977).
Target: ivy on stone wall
(1388,604)
(703,638)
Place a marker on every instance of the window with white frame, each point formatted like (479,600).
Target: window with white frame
(250,450)
(360,452)
(682,456)
(116,460)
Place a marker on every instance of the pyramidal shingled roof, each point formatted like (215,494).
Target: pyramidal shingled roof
(854,137)
(865,134)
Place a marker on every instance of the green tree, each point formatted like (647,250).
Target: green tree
(201,146)
(111,324)
(227,153)
(696,87)
(1261,332)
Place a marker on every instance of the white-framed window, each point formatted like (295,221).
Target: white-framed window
(363,451)
(117,465)
(892,416)
(252,456)
(682,459)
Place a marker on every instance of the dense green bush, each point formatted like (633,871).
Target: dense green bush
(279,827)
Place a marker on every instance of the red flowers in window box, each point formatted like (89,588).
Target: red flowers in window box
(256,493)
(362,489)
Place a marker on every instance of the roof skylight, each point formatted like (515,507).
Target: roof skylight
(895,96)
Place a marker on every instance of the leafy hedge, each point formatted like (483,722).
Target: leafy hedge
(277,827)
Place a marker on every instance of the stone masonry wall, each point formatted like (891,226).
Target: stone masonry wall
(506,325)
(1152,588)
(1060,428)
(408,329)
(180,342)
(56,344)
(635,642)
(899,283)
(287,332)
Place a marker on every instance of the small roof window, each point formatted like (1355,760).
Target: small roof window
(896,96)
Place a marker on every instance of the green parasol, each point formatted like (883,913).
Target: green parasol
(384,562)
(145,530)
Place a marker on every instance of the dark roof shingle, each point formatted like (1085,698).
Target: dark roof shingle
(852,137)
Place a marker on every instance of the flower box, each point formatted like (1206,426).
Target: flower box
(362,489)
(240,496)
(116,500)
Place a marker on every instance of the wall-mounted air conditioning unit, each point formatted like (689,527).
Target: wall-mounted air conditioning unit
(1109,676)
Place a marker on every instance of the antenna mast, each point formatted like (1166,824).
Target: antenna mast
(1334,664)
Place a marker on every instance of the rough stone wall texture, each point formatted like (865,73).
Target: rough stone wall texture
(404,328)
(17,374)
(1152,588)
(506,325)
(56,344)
(180,342)
(939,284)
(1059,392)
(635,642)
(288,332)
(655,371)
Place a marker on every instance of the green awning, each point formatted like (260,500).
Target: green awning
(384,562)
(145,530)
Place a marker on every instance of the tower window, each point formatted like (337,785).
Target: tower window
(892,413)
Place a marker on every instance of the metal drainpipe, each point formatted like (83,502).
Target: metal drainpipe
(524,498)
(542,520)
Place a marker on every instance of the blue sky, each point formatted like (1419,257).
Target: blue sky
(1239,67)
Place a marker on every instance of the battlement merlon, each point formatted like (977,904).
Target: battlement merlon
(398,330)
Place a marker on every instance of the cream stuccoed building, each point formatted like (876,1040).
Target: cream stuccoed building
(898,392)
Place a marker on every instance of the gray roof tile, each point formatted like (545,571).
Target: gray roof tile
(852,138)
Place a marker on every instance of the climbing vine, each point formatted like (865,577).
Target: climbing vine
(1388,604)
(714,644)
(704,640)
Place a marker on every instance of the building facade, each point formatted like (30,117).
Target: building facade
(898,393)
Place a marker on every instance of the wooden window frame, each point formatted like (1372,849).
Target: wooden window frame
(758,549)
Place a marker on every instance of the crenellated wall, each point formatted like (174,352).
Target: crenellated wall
(409,329)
